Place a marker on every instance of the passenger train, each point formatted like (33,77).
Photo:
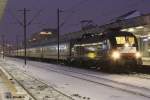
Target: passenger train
(108,50)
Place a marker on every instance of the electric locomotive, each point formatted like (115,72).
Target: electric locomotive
(107,50)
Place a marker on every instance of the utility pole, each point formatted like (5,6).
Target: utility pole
(24,24)
(25,33)
(17,44)
(25,36)
(58,32)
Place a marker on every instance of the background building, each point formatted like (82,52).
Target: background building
(42,36)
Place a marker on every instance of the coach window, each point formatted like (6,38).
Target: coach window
(104,45)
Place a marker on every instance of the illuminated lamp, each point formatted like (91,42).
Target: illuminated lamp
(145,40)
(34,39)
(45,33)
(131,29)
(139,27)
(116,55)
(124,30)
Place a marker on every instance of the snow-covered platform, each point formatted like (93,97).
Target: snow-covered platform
(10,89)
(3,88)
(67,83)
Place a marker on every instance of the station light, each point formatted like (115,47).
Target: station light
(148,37)
(131,30)
(124,30)
(45,33)
(34,39)
(100,34)
(145,40)
(140,27)
(143,36)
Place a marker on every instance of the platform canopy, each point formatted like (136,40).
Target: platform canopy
(2,7)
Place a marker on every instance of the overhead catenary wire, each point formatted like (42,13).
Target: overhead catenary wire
(72,11)
(76,5)
(34,17)
(16,19)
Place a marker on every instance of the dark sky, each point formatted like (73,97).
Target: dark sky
(100,11)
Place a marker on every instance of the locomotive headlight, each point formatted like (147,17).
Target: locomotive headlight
(115,55)
(91,55)
(138,55)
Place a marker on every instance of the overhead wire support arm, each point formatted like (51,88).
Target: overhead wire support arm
(17,20)
(34,17)
(25,33)
(24,24)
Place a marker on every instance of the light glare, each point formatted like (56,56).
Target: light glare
(115,55)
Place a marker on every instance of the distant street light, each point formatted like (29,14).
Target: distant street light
(3,45)
(34,39)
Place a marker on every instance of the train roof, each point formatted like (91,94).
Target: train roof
(106,34)
(87,37)
(116,33)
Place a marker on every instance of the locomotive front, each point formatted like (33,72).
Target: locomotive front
(125,49)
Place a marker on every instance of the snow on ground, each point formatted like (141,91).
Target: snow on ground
(76,87)
(37,89)
(3,89)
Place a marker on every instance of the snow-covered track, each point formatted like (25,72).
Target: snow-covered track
(104,81)
(34,87)
(142,76)
(86,76)
(11,77)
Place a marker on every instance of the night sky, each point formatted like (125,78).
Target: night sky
(100,11)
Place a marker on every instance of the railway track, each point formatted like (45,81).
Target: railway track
(17,84)
(142,91)
(35,88)
(142,76)
(104,81)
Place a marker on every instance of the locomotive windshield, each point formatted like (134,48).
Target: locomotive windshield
(126,43)
(125,40)
(122,40)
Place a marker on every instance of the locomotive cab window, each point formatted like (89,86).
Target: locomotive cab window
(121,40)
